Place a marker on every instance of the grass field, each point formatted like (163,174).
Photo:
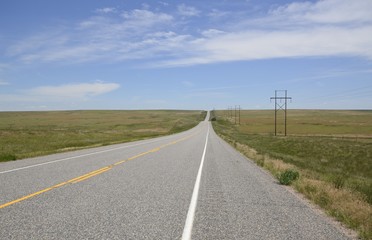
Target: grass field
(331,149)
(29,134)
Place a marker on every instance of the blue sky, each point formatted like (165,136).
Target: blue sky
(121,54)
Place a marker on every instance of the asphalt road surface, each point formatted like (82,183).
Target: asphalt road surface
(190,185)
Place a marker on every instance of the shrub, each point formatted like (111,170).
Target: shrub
(288,176)
(7,157)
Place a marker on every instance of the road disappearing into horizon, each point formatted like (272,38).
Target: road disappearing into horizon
(190,185)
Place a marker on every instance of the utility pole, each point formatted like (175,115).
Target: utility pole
(235,114)
(281,106)
(239,114)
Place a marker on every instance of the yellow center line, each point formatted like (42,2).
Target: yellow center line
(85,175)
(92,174)
(118,163)
(155,149)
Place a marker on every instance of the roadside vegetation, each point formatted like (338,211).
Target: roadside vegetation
(327,156)
(30,134)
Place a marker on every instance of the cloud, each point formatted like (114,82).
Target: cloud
(253,45)
(106,10)
(66,96)
(327,11)
(163,3)
(299,29)
(187,11)
(38,42)
(188,84)
(215,13)
(141,17)
(3,83)
(79,90)
(3,66)
(97,38)
(212,33)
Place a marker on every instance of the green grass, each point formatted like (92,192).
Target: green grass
(333,147)
(308,122)
(29,134)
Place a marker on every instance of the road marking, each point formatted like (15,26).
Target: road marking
(32,195)
(186,235)
(92,174)
(89,175)
(79,156)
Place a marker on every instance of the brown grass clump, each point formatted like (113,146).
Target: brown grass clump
(273,165)
(344,204)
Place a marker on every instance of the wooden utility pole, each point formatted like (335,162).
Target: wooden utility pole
(279,105)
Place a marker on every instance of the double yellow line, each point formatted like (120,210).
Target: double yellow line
(92,174)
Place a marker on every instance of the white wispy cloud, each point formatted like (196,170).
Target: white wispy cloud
(299,29)
(63,95)
(188,11)
(3,66)
(163,3)
(3,82)
(253,45)
(215,13)
(212,33)
(188,84)
(302,29)
(329,11)
(38,42)
(58,97)
(106,10)
(142,17)
(128,36)
(78,90)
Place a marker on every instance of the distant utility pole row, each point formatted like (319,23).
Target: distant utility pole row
(234,112)
(281,104)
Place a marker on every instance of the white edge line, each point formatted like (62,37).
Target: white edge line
(79,156)
(186,235)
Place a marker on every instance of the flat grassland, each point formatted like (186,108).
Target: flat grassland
(331,149)
(30,134)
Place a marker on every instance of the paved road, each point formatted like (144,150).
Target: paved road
(188,185)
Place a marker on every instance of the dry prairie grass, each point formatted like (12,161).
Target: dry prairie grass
(344,204)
